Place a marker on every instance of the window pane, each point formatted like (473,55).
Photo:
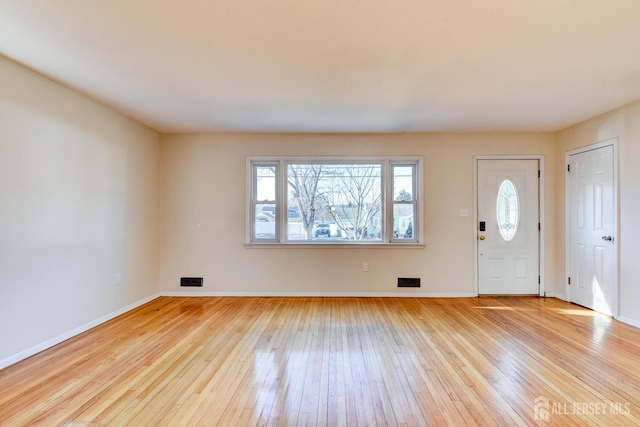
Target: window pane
(403,183)
(334,201)
(508,210)
(265,221)
(265,183)
(403,221)
(303,201)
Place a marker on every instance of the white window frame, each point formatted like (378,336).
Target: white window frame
(414,202)
(254,199)
(281,163)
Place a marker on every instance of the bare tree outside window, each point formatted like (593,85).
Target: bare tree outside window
(335,200)
(354,199)
(303,182)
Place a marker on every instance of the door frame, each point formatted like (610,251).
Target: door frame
(541,216)
(567,229)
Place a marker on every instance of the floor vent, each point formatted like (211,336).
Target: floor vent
(191,281)
(405,282)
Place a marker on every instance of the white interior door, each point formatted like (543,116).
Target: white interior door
(590,177)
(508,227)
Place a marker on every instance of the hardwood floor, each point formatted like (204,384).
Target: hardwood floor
(335,361)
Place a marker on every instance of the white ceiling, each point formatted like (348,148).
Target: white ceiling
(336,66)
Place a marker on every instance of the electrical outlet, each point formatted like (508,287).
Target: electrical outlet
(118,279)
(365,266)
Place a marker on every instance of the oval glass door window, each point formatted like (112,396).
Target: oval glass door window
(508,210)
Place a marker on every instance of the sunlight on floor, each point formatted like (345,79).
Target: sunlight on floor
(580,312)
(497,308)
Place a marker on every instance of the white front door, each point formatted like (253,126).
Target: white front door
(508,227)
(590,178)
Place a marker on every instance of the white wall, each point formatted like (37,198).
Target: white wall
(624,124)
(80,198)
(203,227)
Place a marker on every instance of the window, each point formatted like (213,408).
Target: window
(264,201)
(333,200)
(508,210)
(404,202)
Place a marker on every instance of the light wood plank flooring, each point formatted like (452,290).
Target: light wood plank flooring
(335,361)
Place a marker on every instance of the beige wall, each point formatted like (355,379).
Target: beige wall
(623,124)
(88,193)
(203,227)
(80,198)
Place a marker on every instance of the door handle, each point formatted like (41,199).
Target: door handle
(607,238)
(481,237)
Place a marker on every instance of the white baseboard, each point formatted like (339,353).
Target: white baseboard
(72,333)
(558,296)
(629,321)
(318,294)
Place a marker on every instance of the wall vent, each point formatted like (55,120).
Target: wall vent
(405,282)
(191,281)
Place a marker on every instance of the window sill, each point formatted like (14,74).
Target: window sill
(329,245)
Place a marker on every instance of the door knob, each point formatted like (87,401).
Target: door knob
(482,237)
(607,238)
